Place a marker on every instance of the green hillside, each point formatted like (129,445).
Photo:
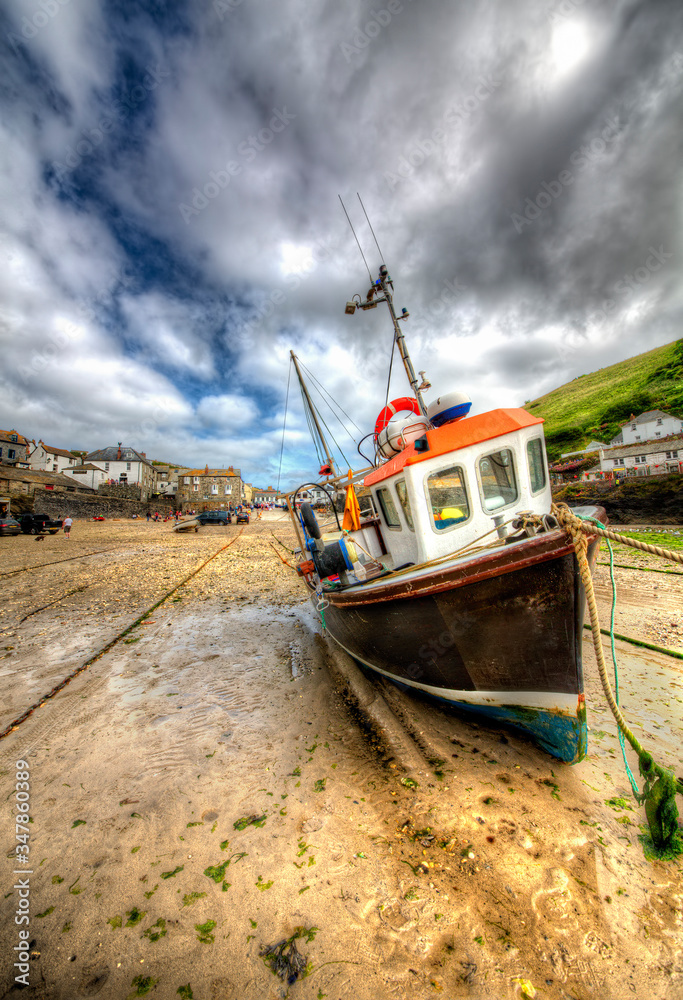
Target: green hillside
(594,406)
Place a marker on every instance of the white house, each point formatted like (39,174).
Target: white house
(44,458)
(649,426)
(646,459)
(87,475)
(260,495)
(125,467)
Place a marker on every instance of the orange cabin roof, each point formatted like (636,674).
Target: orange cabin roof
(457,435)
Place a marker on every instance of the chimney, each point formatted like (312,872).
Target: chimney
(118,453)
(206,471)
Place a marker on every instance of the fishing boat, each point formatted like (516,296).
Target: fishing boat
(455,580)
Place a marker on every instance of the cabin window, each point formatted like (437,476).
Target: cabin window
(534,457)
(448,497)
(402,493)
(388,508)
(497,480)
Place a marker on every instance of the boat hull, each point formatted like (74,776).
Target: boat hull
(499,635)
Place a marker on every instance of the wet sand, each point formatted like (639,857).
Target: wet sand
(218,779)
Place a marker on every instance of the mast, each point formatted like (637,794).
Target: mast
(312,411)
(380,292)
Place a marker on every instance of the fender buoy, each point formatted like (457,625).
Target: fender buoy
(395,406)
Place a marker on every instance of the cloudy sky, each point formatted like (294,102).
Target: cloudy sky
(171,226)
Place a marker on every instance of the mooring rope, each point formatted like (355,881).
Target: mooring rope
(105,649)
(659,792)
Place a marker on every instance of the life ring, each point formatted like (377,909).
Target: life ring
(395,406)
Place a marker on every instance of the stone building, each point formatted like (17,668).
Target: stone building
(264,496)
(44,458)
(167,478)
(210,489)
(13,449)
(30,483)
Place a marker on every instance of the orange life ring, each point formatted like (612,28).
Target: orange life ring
(395,406)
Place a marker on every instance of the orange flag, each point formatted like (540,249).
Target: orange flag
(351,520)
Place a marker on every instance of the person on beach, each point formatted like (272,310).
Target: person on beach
(68,521)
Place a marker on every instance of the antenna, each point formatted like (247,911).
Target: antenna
(354,233)
(381,255)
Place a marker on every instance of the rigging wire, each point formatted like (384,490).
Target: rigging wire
(348,464)
(311,426)
(321,389)
(391,365)
(354,233)
(282,446)
(381,255)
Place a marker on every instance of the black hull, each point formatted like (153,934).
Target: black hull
(500,635)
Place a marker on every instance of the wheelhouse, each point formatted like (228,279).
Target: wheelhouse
(461,483)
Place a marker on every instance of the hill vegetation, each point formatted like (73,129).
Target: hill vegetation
(594,406)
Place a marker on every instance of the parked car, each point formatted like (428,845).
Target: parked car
(9,526)
(242,517)
(214,517)
(36,524)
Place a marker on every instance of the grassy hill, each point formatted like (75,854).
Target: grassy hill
(595,406)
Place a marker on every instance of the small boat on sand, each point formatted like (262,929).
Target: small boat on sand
(192,525)
(455,580)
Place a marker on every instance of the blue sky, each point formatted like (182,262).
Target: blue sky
(171,225)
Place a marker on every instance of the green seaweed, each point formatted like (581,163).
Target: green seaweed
(45,913)
(156,935)
(143,985)
(618,803)
(173,873)
(205,935)
(319,786)
(135,916)
(284,960)
(78,822)
(148,895)
(192,897)
(67,927)
(244,821)
(185,992)
(56,879)
(217,872)
(134,850)
(263,886)
(115,921)
(409,783)
(198,823)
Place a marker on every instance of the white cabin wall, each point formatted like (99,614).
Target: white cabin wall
(428,543)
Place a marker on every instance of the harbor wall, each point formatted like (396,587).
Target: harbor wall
(657,500)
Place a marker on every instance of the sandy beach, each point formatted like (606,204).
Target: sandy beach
(221,782)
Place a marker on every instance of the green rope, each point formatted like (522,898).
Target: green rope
(660,784)
(634,786)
